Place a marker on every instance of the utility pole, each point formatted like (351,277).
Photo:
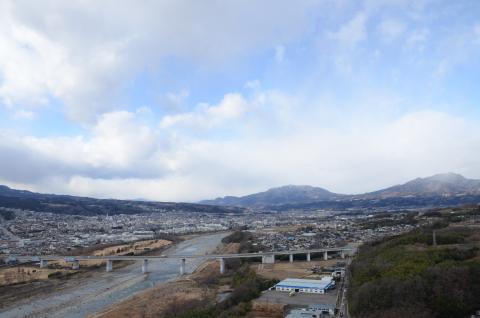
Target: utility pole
(434,238)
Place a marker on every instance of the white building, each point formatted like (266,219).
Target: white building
(306,285)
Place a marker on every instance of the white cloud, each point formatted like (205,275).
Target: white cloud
(391,29)
(324,132)
(476,31)
(254,85)
(24,114)
(271,144)
(167,189)
(84,57)
(176,100)
(232,106)
(417,39)
(456,49)
(279,53)
(353,32)
(118,143)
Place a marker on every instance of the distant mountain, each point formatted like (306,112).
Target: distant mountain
(66,204)
(6,191)
(440,184)
(440,189)
(277,196)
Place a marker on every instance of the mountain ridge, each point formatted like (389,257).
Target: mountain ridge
(281,195)
(69,204)
(443,184)
(441,189)
(439,184)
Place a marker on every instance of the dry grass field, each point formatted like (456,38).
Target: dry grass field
(122,249)
(25,274)
(297,269)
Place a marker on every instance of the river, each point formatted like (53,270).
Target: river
(106,289)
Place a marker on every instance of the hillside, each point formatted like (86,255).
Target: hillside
(438,190)
(289,194)
(406,276)
(65,204)
(440,184)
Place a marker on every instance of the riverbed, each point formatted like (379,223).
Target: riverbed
(105,289)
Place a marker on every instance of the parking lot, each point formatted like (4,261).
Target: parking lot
(299,299)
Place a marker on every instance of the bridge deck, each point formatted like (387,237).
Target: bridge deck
(176,256)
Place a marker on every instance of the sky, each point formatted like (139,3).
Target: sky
(189,100)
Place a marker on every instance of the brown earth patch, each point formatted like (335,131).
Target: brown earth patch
(24,274)
(266,310)
(282,270)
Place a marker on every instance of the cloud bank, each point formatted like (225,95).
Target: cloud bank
(128,159)
(190,100)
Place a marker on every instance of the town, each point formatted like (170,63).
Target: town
(39,233)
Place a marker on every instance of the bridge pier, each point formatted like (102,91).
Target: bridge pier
(182,267)
(222,266)
(145,266)
(268,259)
(109,265)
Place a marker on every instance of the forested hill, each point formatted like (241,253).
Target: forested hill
(406,276)
(65,204)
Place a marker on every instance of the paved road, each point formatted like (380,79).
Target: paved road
(343,312)
(180,255)
(105,289)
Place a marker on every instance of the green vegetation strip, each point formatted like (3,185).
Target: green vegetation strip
(406,276)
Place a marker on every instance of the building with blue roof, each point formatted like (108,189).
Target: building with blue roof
(313,286)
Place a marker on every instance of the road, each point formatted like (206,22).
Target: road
(107,288)
(180,256)
(343,307)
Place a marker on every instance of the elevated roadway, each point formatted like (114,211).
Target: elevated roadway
(267,257)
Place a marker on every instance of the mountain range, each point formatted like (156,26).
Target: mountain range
(439,185)
(439,190)
(67,204)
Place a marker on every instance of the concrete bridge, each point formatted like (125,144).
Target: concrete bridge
(267,258)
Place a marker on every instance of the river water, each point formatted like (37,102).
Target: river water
(106,289)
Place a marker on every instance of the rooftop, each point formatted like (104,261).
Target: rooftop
(324,283)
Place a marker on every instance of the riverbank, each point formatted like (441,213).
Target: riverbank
(201,288)
(98,289)
(60,270)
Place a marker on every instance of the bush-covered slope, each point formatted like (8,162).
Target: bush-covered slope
(406,276)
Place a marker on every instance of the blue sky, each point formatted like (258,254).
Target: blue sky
(189,100)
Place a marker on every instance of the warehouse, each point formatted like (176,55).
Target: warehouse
(306,285)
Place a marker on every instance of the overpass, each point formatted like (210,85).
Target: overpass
(267,258)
